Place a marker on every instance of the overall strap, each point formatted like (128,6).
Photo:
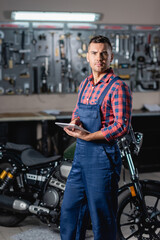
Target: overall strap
(82,90)
(100,100)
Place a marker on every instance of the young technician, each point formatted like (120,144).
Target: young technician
(104,109)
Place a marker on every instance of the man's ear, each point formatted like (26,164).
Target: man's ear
(87,57)
(112,56)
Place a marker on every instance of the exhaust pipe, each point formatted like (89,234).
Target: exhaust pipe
(17,205)
(11,203)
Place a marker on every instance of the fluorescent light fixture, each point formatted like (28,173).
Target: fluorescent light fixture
(54,16)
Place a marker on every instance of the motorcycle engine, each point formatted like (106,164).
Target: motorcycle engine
(51,198)
(65,169)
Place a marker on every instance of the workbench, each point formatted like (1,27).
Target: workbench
(24,127)
(25,116)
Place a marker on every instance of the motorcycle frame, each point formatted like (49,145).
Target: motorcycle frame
(14,159)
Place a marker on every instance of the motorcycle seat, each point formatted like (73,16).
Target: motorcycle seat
(17,147)
(31,157)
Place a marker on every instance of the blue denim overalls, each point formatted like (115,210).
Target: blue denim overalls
(93,178)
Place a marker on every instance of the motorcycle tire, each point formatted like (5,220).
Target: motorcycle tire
(9,218)
(130,224)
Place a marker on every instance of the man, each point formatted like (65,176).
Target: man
(104,109)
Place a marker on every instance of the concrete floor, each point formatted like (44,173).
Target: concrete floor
(32,229)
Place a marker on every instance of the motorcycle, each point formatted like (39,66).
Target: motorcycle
(33,184)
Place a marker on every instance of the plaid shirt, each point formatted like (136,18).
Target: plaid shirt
(116,106)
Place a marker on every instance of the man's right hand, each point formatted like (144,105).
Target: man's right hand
(76,121)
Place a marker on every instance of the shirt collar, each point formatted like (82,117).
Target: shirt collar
(105,78)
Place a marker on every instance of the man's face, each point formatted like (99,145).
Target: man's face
(99,57)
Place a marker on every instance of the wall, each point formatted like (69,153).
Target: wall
(113,11)
(62,102)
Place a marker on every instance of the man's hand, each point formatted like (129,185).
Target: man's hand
(74,132)
(81,134)
(77,133)
(76,121)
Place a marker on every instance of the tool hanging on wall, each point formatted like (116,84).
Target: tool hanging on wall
(5,54)
(147,85)
(52,61)
(22,52)
(1,40)
(121,44)
(35,80)
(134,48)
(63,61)
(148,46)
(140,66)
(44,75)
(16,42)
(62,48)
(10,79)
(156,49)
(82,51)
(44,87)
(117,43)
(69,75)
(34,41)
(22,47)
(127,46)
(140,42)
(83,67)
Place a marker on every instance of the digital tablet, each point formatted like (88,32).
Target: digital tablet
(70,126)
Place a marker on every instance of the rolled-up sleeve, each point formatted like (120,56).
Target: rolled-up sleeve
(121,103)
(75,111)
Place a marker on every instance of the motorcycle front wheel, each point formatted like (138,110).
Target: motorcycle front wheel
(130,223)
(9,218)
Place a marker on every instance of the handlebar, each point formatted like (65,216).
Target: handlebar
(131,142)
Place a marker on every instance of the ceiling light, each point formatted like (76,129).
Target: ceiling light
(54,16)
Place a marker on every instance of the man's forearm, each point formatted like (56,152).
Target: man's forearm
(94,136)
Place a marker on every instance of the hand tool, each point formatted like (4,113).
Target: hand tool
(44,87)
(82,51)
(117,43)
(124,76)
(121,44)
(63,60)
(22,47)
(10,79)
(134,48)
(1,39)
(1,90)
(126,47)
(16,38)
(140,41)
(71,84)
(35,79)
(124,65)
(147,85)
(140,66)
(148,46)
(52,59)
(5,54)
(34,41)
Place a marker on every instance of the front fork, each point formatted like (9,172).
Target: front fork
(136,189)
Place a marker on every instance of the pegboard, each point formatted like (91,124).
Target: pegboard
(51,57)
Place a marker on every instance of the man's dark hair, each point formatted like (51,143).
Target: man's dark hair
(100,39)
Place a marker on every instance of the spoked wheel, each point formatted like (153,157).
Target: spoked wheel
(9,218)
(130,222)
